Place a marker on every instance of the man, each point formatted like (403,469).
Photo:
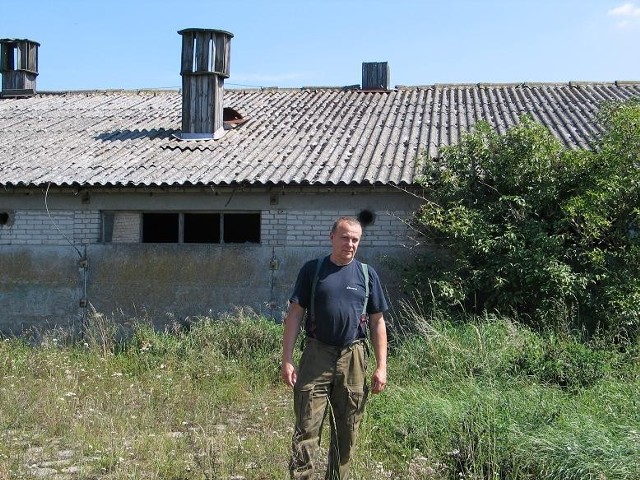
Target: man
(331,380)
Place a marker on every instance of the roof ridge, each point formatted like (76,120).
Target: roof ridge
(139,91)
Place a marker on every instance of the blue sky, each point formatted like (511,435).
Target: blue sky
(134,44)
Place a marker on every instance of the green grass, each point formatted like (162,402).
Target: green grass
(480,399)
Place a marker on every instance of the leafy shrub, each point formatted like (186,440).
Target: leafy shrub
(535,229)
(563,362)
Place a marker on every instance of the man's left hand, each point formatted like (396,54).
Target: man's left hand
(378,381)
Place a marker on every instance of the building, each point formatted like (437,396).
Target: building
(181,203)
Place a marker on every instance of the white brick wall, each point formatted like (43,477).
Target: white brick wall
(126,227)
(388,230)
(273,227)
(279,227)
(36,227)
(86,228)
(311,228)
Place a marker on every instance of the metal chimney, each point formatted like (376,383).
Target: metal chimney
(205,65)
(376,76)
(19,66)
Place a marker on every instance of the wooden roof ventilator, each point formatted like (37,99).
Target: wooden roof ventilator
(205,65)
(19,66)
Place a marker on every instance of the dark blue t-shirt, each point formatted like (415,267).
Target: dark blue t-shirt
(339,299)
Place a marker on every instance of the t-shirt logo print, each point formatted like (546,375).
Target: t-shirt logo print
(352,288)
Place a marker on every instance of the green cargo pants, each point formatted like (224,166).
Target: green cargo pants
(331,384)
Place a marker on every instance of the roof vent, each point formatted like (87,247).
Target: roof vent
(205,65)
(19,65)
(376,76)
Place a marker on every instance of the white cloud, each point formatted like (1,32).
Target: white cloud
(625,10)
(628,15)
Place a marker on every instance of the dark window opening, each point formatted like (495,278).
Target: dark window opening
(160,227)
(107,226)
(4,218)
(195,227)
(241,228)
(201,228)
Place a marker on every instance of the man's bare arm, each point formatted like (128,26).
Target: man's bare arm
(378,333)
(292,323)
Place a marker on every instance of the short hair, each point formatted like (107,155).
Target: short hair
(345,219)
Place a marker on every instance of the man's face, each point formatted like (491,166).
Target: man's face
(345,242)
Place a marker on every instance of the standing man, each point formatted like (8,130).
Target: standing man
(331,380)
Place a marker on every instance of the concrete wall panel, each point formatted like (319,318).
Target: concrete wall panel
(39,288)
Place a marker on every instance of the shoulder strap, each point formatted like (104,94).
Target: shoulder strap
(365,271)
(312,308)
(311,311)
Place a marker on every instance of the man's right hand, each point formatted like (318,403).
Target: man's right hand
(291,329)
(289,374)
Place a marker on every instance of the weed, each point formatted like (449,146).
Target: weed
(473,398)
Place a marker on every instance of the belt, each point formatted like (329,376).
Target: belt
(341,348)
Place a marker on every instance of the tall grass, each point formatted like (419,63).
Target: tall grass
(487,398)
(178,404)
(479,399)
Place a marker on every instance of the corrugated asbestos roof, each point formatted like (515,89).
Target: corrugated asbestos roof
(312,136)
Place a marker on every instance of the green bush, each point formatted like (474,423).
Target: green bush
(534,229)
(489,398)
(566,363)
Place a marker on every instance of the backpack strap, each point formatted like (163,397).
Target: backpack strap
(365,271)
(364,323)
(311,311)
(312,308)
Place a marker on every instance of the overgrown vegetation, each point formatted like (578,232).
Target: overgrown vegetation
(536,230)
(492,378)
(198,403)
(481,399)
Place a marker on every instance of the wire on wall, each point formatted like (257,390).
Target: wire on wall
(46,206)
(84,264)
